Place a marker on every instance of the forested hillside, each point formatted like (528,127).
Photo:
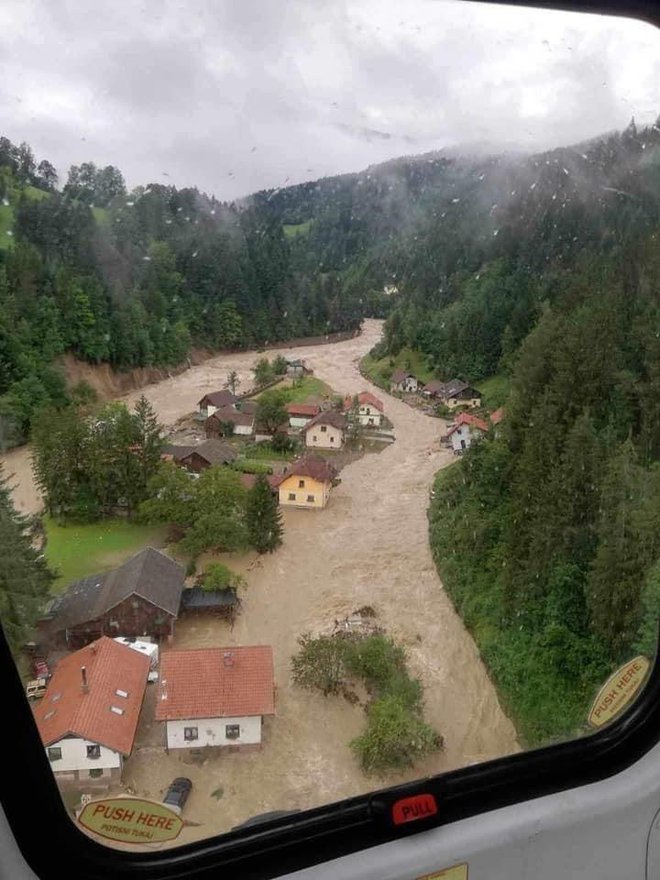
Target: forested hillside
(135,279)
(543,269)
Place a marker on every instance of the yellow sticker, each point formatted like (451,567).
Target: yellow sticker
(131,820)
(458,872)
(618,690)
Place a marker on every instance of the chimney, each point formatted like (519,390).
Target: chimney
(85,686)
(228,658)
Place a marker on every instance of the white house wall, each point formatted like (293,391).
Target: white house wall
(74,756)
(369,415)
(211,732)
(246,430)
(299,421)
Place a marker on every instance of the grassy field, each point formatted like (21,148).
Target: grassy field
(495,391)
(74,551)
(299,392)
(291,230)
(35,194)
(380,371)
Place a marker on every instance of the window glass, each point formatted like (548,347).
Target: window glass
(444,216)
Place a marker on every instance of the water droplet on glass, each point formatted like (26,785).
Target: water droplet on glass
(130,204)
(5,202)
(9,232)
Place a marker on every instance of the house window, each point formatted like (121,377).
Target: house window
(332,439)
(310,499)
(93,751)
(314,438)
(292,496)
(301,484)
(190,733)
(232,731)
(55,754)
(324,428)
(95,773)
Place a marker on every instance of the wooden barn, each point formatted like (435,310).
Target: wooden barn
(140,598)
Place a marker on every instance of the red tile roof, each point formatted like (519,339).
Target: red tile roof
(467,419)
(364,398)
(497,416)
(216,683)
(109,667)
(311,466)
(302,409)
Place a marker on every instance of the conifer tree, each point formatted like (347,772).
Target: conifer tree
(263,517)
(25,578)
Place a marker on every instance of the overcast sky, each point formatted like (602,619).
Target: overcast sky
(238,95)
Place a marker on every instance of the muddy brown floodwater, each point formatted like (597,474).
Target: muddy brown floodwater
(368,547)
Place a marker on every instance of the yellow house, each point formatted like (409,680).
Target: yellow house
(307,483)
(326,431)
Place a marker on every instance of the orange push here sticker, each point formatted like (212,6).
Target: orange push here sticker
(411,809)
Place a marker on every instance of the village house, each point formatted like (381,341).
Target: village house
(465,431)
(301,413)
(89,714)
(211,452)
(458,393)
(141,597)
(433,388)
(403,382)
(369,409)
(216,696)
(326,430)
(215,400)
(307,483)
(242,422)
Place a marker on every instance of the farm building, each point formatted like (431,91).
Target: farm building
(241,423)
(215,400)
(215,696)
(300,414)
(141,597)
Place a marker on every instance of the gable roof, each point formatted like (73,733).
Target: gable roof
(149,574)
(434,386)
(311,466)
(399,376)
(171,451)
(229,414)
(456,387)
(212,451)
(216,683)
(303,409)
(217,398)
(468,419)
(497,416)
(247,406)
(365,398)
(109,666)
(337,420)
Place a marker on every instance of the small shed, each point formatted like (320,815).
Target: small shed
(220,603)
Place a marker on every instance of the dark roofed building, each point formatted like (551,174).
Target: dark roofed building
(211,452)
(242,422)
(221,603)
(404,381)
(215,400)
(171,452)
(459,393)
(141,597)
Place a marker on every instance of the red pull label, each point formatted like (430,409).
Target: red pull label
(410,809)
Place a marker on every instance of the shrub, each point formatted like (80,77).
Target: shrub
(320,664)
(219,577)
(395,737)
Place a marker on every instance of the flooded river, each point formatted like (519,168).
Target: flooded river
(369,547)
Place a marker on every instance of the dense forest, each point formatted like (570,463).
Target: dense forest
(137,278)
